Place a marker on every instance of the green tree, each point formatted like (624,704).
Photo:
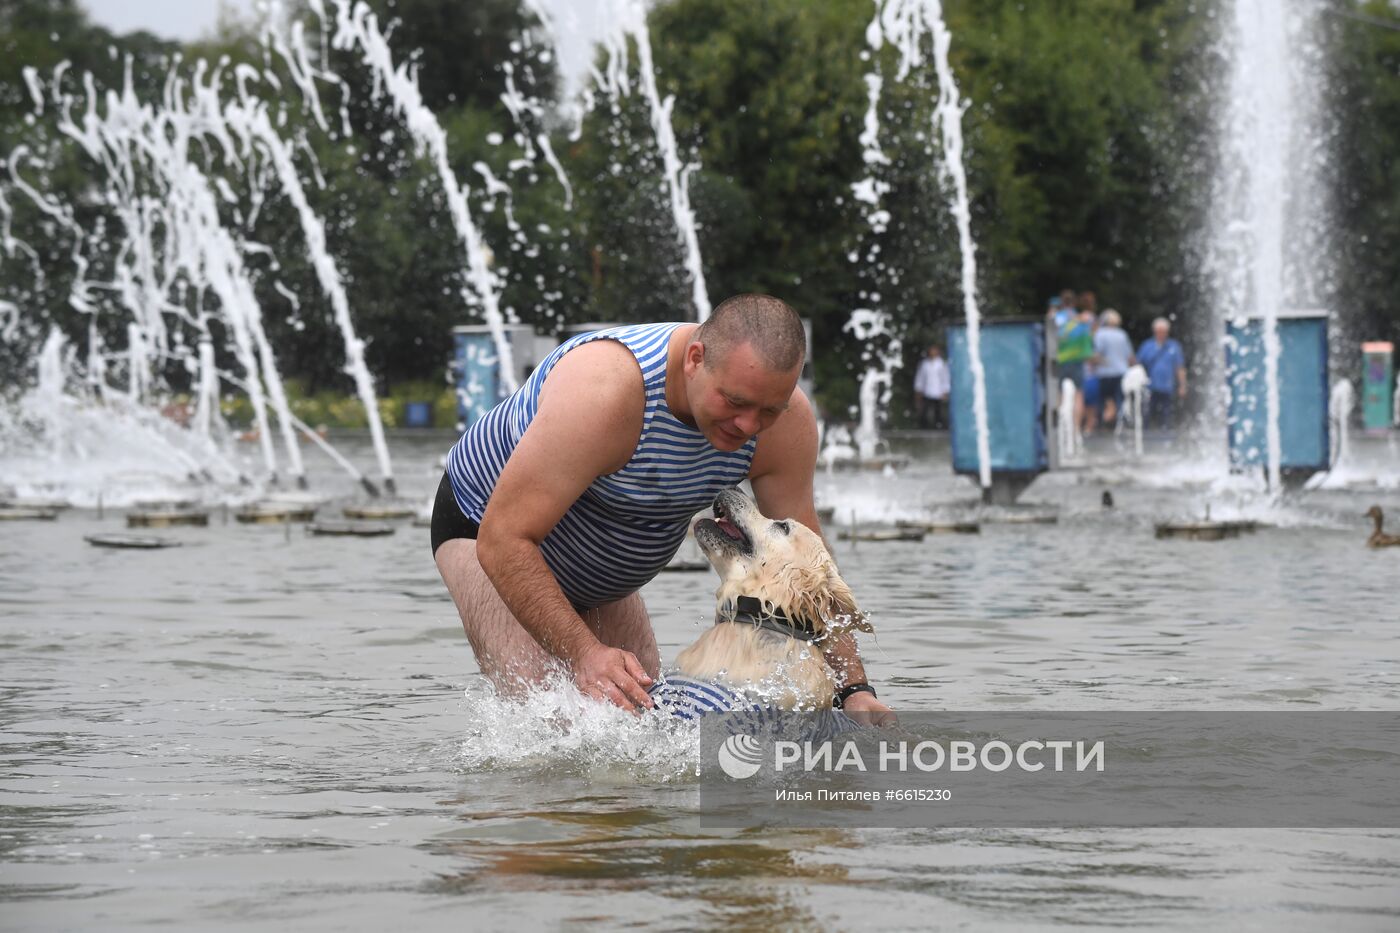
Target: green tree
(1365,53)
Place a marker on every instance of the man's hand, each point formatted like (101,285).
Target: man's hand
(867,709)
(614,675)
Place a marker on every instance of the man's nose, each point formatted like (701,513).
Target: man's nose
(747,422)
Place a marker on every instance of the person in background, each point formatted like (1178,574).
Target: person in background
(931,386)
(1089,391)
(1113,354)
(1165,363)
(1075,346)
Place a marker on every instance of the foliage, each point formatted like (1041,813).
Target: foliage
(1089,129)
(1367,77)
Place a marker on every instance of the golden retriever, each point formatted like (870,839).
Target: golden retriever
(779,601)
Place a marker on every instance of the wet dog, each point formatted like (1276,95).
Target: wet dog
(780,600)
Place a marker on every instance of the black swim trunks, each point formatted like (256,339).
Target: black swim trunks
(448,520)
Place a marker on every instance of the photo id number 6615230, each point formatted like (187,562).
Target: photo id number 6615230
(920,794)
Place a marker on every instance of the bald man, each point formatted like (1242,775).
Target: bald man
(564,499)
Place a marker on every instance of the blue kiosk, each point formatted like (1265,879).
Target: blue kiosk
(475,370)
(1013,361)
(1303,394)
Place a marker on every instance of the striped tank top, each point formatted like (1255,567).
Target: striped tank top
(627,525)
(688,699)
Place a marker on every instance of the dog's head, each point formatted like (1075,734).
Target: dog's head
(781,563)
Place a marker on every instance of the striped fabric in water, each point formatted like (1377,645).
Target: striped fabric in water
(627,525)
(689,699)
(686,698)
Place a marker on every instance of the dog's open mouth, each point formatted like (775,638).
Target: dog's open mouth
(723,532)
(729,528)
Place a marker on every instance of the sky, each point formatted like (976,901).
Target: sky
(578,23)
(170,19)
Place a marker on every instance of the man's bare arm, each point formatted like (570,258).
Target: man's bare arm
(588,422)
(784,462)
(782,473)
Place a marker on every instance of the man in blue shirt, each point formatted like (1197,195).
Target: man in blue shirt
(1166,371)
(1113,354)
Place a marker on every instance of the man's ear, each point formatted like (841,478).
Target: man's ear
(694,357)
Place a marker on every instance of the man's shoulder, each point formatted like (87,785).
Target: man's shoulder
(606,371)
(600,354)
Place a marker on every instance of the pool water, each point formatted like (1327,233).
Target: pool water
(263,729)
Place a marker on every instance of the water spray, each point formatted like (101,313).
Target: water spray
(905,24)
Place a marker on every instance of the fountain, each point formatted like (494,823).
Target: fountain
(171,167)
(1339,409)
(1135,388)
(1266,257)
(357,28)
(867,436)
(1066,425)
(906,25)
(216,109)
(167,198)
(164,165)
(61,444)
(619,22)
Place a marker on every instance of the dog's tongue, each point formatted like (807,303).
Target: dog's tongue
(729,528)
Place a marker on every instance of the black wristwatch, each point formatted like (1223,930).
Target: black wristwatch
(846,692)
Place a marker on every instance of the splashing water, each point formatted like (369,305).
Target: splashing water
(677,176)
(1269,250)
(176,244)
(556,729)
(905,24)
(1068,427)
(1340,406)
(1261,58)
(868,433)
(356,27)
(137,142)
(248,118)
(617,21)
(57,444)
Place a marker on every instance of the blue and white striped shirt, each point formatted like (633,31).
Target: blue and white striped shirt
(687,698)
(626,526)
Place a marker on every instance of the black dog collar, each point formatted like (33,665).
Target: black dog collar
(750,612)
